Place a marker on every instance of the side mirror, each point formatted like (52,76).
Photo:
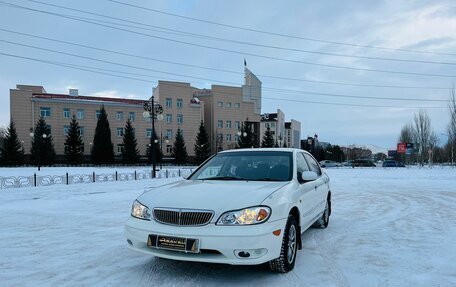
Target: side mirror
(309,176)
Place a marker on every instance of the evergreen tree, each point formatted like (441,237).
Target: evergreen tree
(246,139)
(179,150)
(202,148)
(11,150)
(158,152)
(74,146)
(130,152)
(268,138)
(43,152)
(103,149)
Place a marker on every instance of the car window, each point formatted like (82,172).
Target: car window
(252,166)
(301,164)
(313,165)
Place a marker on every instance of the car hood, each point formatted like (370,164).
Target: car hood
(216,195)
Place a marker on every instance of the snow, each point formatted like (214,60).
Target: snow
(389,227)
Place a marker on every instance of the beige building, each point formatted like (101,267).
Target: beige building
(29,103)
(223,109)
(276,122)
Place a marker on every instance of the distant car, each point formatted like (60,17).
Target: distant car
(392,163)
(347,163)
(363,163)
(241,207)
(328,163)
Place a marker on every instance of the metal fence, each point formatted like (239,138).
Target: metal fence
(65,179)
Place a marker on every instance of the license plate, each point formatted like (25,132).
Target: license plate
(181,244)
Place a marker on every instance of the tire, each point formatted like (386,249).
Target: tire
(289,248)
(323,221)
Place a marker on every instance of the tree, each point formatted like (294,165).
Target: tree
(43,152)
(407,134)
(158,152)
(179,150)
(452,126)
(423,134)
(130,152)
(74,146)
(11,150)
(103,149)
(202,148)
(246,139)
(268,138)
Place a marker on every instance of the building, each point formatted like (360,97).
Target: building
(223,109)
(276,122)
(29,103)
(293,134)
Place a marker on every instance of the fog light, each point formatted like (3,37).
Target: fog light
(244,254)
(250,253)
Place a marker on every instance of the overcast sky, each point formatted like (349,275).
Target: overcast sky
(418,25)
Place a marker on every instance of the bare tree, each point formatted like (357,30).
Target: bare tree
(452,125)
(407,134)
(422,133)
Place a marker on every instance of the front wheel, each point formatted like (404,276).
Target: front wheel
(287,258)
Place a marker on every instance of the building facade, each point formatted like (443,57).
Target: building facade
(276,122)
(293,134)
(29,103)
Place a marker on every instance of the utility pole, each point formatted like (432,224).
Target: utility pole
(154,152)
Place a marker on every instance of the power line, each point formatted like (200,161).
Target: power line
(232,51)
(217,69)
(88,68)
(273,33)
(191,34)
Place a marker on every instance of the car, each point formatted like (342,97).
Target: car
(392,163)
(240,207)
(328,163)
(363,163)
(347,163)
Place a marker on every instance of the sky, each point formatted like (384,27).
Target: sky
(414,39)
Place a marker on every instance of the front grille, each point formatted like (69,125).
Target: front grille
(183,217)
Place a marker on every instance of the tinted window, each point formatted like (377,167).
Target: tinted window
(313,164)
(254,166)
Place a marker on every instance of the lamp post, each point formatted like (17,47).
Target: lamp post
(149,112)
(38,152)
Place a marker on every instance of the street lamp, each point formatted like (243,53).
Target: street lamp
(43,136)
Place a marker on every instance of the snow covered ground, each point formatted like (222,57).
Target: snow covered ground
(389,227)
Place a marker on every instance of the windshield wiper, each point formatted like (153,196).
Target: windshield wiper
(266,179)
(224,178)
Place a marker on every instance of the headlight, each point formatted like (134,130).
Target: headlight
(140,211)
(246,216)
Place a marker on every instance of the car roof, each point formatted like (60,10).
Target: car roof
(262,149)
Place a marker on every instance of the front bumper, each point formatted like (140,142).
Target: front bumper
(218,244)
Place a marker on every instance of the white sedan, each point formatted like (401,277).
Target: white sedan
(241,207)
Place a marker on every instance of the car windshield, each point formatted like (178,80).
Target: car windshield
(248,165)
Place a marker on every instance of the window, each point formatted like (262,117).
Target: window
(45,112)
(65,130)
(132,116)
(180,103)
(80,114)
(81,131)
(66,113)
(228,104)
(228,124)
(49,128)
(220,104)
(119,116)
(219,138)
(169,149)
(120,132)
(236,138)
(149,133)
(169,134)
(237,125)
(228,137)
(313,165)
(169,118)
(273,125)
(97,114)
(120,148)
(237,105)
(180,119)
(220,124)
(301,165)
(169,102)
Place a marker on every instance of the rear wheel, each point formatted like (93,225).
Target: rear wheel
(287,258)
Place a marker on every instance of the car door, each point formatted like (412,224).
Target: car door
(307,192)
(320,187)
